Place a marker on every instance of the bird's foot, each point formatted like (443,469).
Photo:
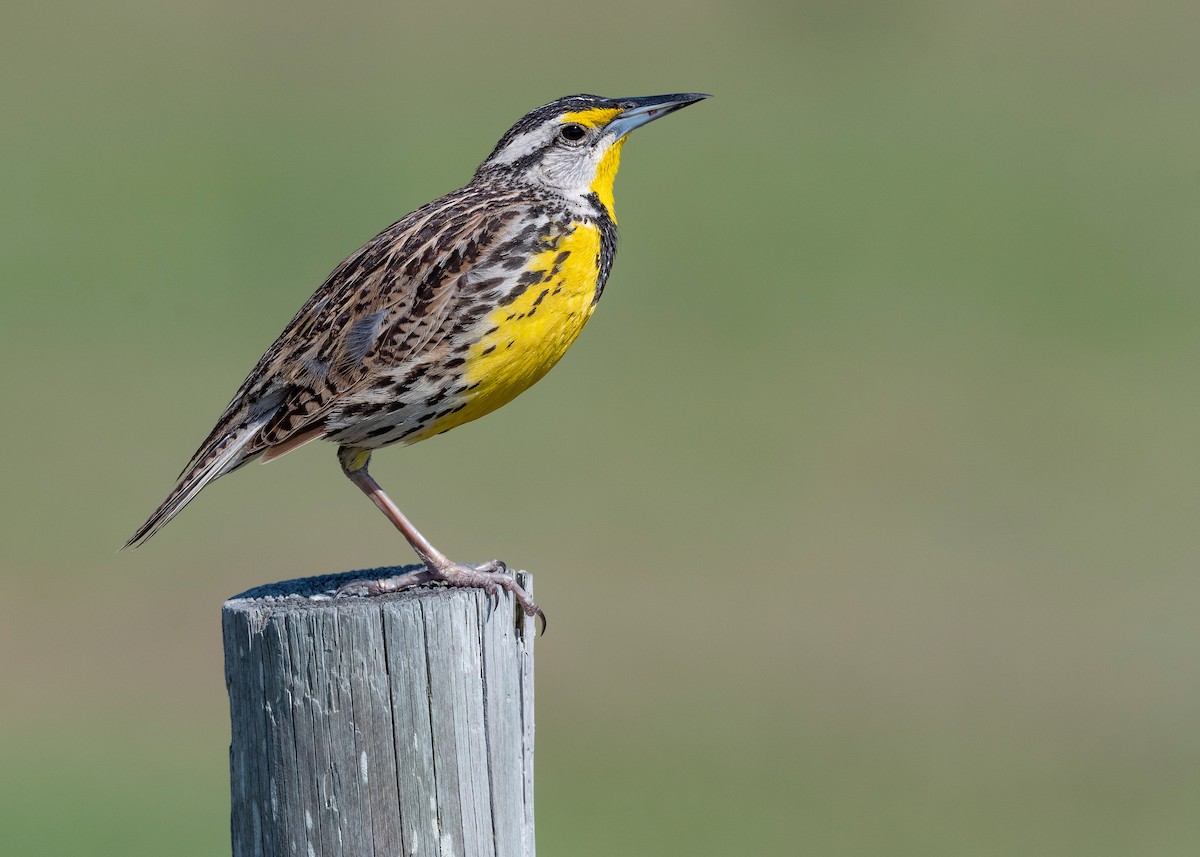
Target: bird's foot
(490,576)
(385,585)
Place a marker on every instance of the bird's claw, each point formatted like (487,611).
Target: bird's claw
(354,587)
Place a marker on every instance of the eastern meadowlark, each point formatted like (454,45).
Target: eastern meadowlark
(444,316)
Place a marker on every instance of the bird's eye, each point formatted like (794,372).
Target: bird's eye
(573,133)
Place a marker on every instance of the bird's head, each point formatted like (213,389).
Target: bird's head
(573,145)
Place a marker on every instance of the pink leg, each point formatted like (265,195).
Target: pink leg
(490,576)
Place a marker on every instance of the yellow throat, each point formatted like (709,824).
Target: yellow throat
(606,174)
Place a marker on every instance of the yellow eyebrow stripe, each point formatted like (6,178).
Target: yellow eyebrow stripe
(593,118)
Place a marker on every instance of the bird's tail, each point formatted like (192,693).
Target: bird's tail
(214,459)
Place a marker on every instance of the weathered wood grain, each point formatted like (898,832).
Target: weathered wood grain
(398,725)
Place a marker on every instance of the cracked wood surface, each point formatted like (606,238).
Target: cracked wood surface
(396,725)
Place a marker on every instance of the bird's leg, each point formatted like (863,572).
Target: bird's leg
(490,576)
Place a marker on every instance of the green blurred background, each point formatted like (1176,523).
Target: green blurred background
(865,511)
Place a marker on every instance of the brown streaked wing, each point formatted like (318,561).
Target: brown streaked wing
(405,272)
(405,287)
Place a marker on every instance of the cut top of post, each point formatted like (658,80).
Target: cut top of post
(394,724)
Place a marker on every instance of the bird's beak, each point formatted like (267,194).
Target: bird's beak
(636,112)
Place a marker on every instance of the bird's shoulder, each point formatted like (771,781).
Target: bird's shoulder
(409,266)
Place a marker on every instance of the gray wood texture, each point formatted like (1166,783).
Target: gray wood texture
(397,725)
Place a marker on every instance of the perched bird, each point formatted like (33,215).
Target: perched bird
(444,316)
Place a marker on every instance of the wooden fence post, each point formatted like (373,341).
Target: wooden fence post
(397,725)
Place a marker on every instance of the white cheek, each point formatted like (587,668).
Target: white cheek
(568,170)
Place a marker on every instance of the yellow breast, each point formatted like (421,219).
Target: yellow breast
(523,339)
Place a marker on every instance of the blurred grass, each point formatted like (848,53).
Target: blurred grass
(864,510)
